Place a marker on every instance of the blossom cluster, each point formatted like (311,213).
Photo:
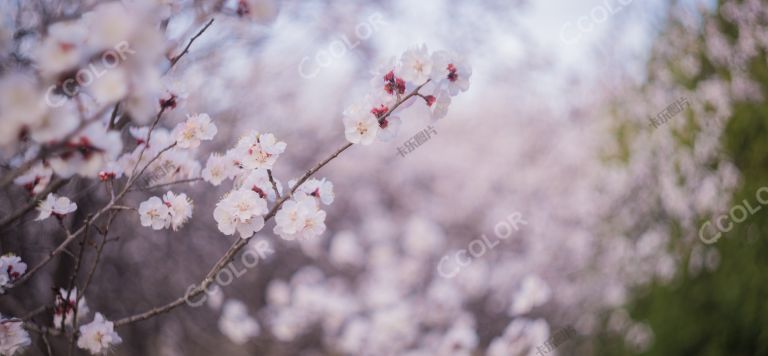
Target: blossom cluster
(172,211)
(434,77)
(242,210)
(11,268)
(64,308)
(92,76)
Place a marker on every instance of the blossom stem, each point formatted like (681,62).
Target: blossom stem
(176,59)
(274,184)
(71,236)
(181,181)
(242,242)
(10,218)
(231,252)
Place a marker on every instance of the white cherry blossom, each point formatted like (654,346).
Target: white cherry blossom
(240,211)
(360,126)
(322,189)
(11,268)
(98,336)
(258,150)
(300,218)
(197,128)
(236,324)
(258,181)
(179,208)
(154,213)
(416,65)
(13,337)
(36,179)
(533,292)
(56,206)
(218,168)
(451,71)
(64,308)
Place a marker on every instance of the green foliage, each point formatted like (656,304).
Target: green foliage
(724,312)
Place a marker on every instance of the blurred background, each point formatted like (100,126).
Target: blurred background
(597,147)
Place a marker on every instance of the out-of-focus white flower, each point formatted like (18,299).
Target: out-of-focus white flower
(112,170)
(288,324)
(140,133)
(153,212)
(142,102)
(36,179)
(360,126)
(261,11)
(354,336)
(258,150)
(422,237)
(300,218)
(393,327)
(440,102)
(215,297)
(521,337)
(389,126)
(88,152)
(13,337)
(197,128)
(461,340)
(218,168)
(176,93)
(180,208)
(110,87)
(346,250)
(639,336)
(533,292)
(63,49)
(416,65)
(321,189)
(240,210)
(387,86)
(56,124)
(236,324)
(278,293)
(22,105)
(64,308)
(109,25)
(56,206)
(450,71)
(258,181)
(98,336)
(11,268)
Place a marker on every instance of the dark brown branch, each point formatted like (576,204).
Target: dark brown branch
(10,218)
(274,184)
(176,59)
(242,242)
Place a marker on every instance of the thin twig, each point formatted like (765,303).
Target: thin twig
(181,181)
(32,314)
(176,59)
(10,218)
(45,151)
(98,255)
(47,345)
(72,282)
(70,237)
(274,184)
(242,242)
